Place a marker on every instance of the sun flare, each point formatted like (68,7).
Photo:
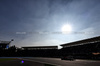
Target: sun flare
(66,28)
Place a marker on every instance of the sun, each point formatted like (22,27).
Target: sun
(66,28)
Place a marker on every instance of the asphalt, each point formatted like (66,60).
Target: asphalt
(38,61)
(59,62)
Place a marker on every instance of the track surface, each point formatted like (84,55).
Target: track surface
(59,62)
(33,61)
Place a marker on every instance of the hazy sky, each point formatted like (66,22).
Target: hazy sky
(24,20)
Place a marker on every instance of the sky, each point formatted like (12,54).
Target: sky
(40,22)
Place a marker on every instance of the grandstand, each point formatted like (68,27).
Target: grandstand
(5,44)
(39,51)
(40,47)
(84,48)
(81,42)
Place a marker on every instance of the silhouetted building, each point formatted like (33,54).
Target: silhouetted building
(5,44)
(84,48)
(82,42)
(40,51)
(40,47)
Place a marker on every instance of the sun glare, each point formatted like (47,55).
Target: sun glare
(66,29)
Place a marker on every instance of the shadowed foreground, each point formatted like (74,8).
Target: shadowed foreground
(17,62)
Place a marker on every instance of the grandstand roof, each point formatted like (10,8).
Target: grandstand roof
(89,40)
(41,47)
(5,42)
